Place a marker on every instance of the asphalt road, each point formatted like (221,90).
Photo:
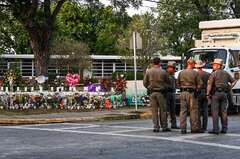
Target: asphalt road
(131,139)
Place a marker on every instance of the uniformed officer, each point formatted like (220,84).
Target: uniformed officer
(202,98)
(189,81)
(171,106)
(218,85)
(157,81)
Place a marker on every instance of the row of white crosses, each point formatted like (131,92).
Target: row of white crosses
(6,89)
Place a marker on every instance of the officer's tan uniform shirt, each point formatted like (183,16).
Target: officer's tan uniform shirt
(189,78)
(204,76)
(219,79)
(156,79)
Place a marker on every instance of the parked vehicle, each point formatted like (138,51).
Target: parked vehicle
(220,39)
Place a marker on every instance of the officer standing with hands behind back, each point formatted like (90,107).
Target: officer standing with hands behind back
(156,80)
(189,83)
(217,89)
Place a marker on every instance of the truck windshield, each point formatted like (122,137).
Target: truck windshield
(207,56)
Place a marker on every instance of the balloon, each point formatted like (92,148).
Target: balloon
(72,79)
(41,79)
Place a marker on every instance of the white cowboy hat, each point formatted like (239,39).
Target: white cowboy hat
(218,61)
(171,64)
(199,64)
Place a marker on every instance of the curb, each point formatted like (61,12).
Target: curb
(129,116)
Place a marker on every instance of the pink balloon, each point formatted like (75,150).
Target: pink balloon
(72,79)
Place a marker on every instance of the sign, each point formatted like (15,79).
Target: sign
(138,42)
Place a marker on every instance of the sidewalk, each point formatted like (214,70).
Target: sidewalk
(75,117)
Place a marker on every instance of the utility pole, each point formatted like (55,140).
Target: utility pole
(135,68)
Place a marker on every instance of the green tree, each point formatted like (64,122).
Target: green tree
(147,26)
(235,7)
(38,19)
(13,37)
(73,54)
(93,24)
(178,21)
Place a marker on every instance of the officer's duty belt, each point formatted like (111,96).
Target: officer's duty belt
(187,90)
(204,90)
(160,91)
(171,90)
(220,90)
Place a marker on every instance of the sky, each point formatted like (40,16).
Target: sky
(146,6)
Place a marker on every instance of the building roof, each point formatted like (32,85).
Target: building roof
(96,57)
(219,24)
(24,56)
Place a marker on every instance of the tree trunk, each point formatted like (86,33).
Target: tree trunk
(41,58)
(40,43)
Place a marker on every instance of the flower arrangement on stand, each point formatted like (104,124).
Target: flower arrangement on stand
(106,85)
(12,78)
(120,84)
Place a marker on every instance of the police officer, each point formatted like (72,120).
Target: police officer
(218,85)
(189,81)
(171,106)
(202,98)
(157,81)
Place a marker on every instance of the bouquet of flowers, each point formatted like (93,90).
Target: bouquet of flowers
(10,77)
(120,85)
(106,84)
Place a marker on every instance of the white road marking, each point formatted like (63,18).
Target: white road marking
(173,139)
(140,128)
(192,136)
(76,124)
(234,135)
(128,127)
(131,130)
(80,127)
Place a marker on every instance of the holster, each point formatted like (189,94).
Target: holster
(163,92)
(196,93)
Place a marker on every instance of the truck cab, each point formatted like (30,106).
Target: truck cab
(220,39)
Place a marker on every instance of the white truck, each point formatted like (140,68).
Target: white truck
(220,39)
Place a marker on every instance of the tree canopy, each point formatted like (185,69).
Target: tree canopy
(13,37)
(152,41)
(94,24)
(30,26)
(179,19)
(38,18)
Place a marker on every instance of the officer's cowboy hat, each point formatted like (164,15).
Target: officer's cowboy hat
(199,64)
(171,64)
(190,61)
(218,61)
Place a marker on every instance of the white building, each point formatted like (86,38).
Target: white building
(102,65)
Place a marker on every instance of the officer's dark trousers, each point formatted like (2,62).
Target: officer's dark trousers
(203,110)
(219,107)
(171,108)
(159,110)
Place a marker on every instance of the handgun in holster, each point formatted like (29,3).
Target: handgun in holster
(196,93)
